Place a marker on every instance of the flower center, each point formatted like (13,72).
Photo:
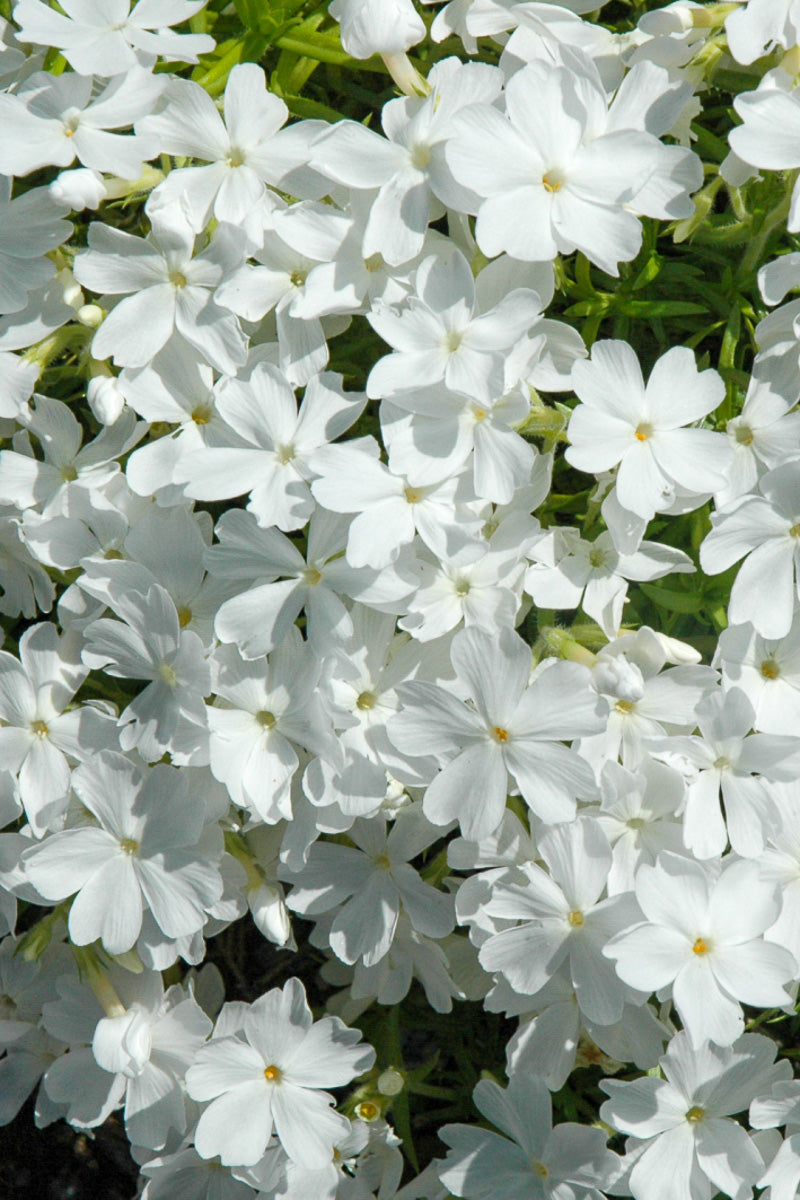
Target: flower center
(8,1009)
(184,616)
(695,1114)
(235,157)
(412,495)
(700,946)
(285,455)
(499,734)
(40,728)
(167,675)
(383,862)
(311,576)
(69,474)
(552,181)
(374,262)
(272,1074)
(462,587)
(366,700)
(744,435)
(202,414)
(420,157)
(575,918)
(177,279)
(298,278)
(795,531)
(367,1111)
(539,1169)
(770,669)
(597,558)
(265,719)
(643,431)
(128,846)
(624,706)
(452,340)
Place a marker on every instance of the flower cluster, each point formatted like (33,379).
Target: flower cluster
(310,429)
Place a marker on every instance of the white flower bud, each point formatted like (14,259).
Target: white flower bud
(79,189)
(105,399)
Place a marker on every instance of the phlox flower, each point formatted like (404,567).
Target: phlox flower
(30,226)
(273,460)
(111,38)
(702,934)
(38,738)
(639,429)
(141,852)
(149,643)
(262,711)
(404,174)
(568,572)
(512,726)
(765,531)
(767,670)
(483,592)
(53,120)
(564,919)
(137,1057)
(531,1158)
(163,290)
(243,148)
(270,1077)
(441,336)
(684,1144)
(49,484)
(743,769)
(369,884)
(638,814)
(580,171)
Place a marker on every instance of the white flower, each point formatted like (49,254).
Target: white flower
(37,737)
(703,935)
(688,1146)
(577,172)
(271,1077)
(511,727)
(30,226)
(54,120)
(165,290)
(244,151)
(142,851)
(765,531)
(638,429)
(110,39)
(563,918)
(532,1159)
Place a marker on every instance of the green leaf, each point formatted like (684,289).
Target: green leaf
(672,601)
(659,308)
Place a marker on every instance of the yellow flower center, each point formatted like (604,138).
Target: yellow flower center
(272,1074)
(184,616)
(367,1111)
(499,734)
(366,700)
(624,706)
(311,576)
(552,181)
(128,846)
(202,414)
(265,719)
(770,669)
(700,946)
(575,918)
(643,431)
(695,1114)
(177,279)
(40,728)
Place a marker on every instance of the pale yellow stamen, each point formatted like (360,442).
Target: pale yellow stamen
(643,431)
(129,846)
(695,1114)
(575,918)
(40,728)
(770,669)
(700,946)
(366,700)
(499,734)
(272,1074)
